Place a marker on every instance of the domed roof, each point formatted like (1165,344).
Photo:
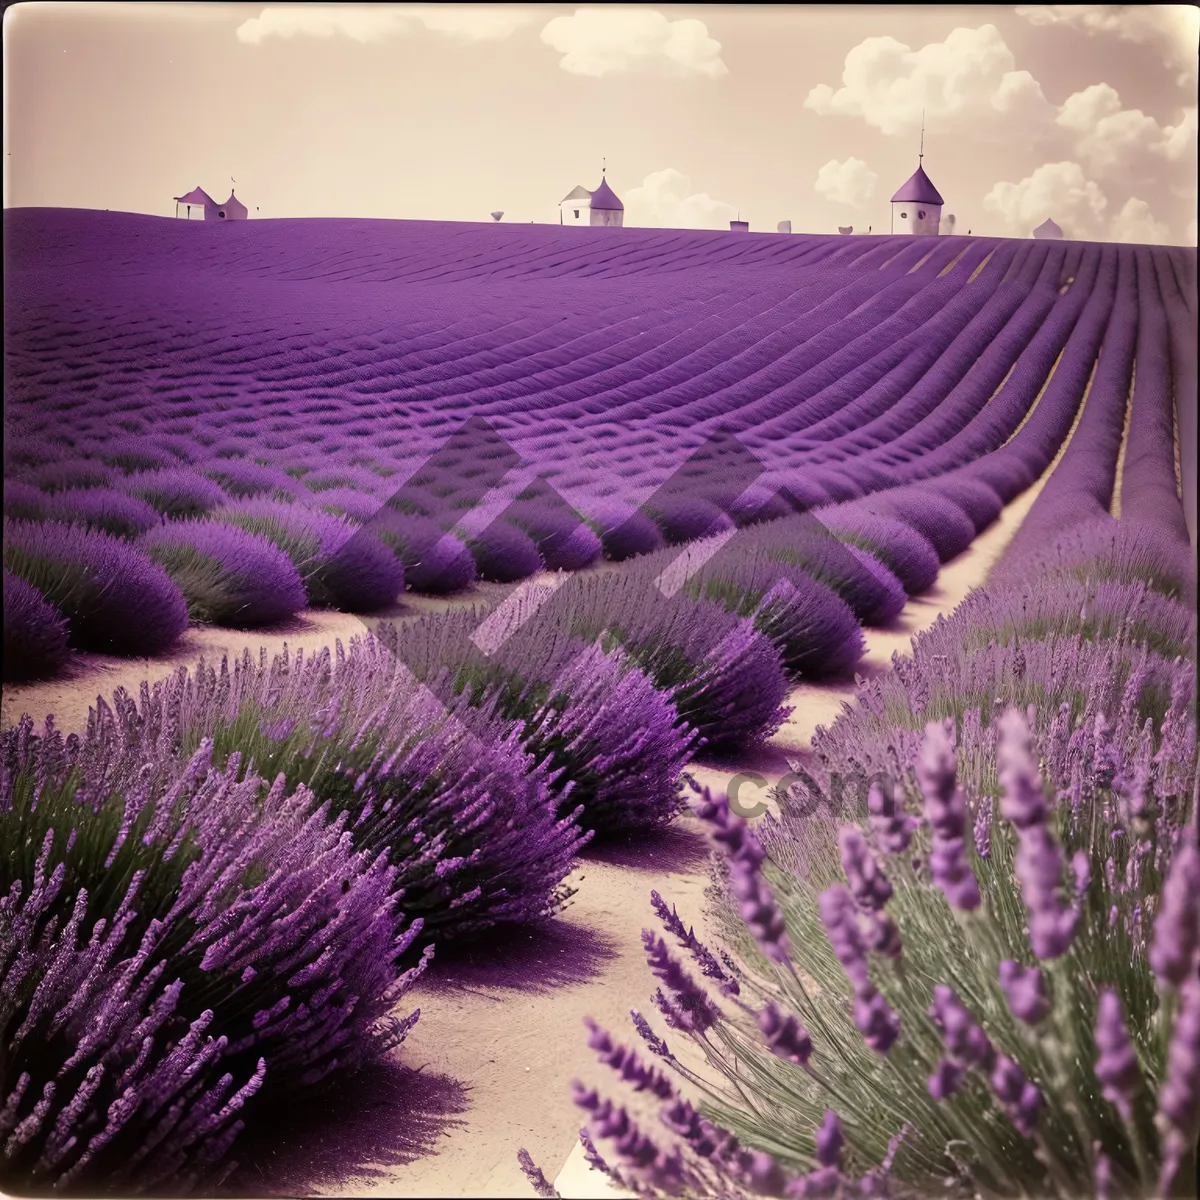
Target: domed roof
(917,189)
(1048,229)
(605,198)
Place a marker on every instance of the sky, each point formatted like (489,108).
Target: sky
(1083,113)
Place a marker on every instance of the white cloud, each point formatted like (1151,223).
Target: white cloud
(362,24)
(969,76)
(1107,135)
(1135,223)
(665,200)
(1058,190)
(850,182)
(1173,28)
(602,41)
(1179,141)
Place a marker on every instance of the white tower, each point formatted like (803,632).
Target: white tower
(917,205)
(601,207)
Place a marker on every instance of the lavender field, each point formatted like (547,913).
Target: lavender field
(521,543)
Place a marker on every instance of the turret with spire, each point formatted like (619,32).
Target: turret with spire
(917,204)
(601,207)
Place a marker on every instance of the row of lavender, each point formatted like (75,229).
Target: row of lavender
(1004,934)
(245,542)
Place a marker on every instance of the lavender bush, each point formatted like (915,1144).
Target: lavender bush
(624,531)
(905,552)
(175,491)
(940,1005)
(342,566)
(35,633)
(435,562)
(179,949)
(463,812)
(106,509)
(227,576)
(114,598)
(613,742)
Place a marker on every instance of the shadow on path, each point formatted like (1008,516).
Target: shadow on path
(383,1117)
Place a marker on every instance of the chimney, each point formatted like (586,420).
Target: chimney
(740,226)
(784,227)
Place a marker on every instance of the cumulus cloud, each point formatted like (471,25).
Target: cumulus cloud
(1058,190)
(970,75)
(1105,133)
(665,200)
(604,41)
(1178,141)
(851,182)
(363,24)
(1174,29)
(1135,223)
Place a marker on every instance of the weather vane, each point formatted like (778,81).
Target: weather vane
(921,156)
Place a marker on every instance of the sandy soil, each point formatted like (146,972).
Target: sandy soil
(500,1037)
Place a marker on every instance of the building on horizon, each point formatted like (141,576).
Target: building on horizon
(198,205)
(601,207)
(917,206)
(1048,229)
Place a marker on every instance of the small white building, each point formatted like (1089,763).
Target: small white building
(784,227)
(601,207)
(917,206)
(1048,229)
(196,205)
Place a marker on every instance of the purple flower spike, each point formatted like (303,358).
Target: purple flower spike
(945,1080)
(983,827)
(1117,1064)
(876,1021)
(785,1036)
(893,829)
(1038,864)
(838,915)
(830,1140)
(1177,928)
(1179,1096)
(1026,992)
(688,998)
(965,1040)
(868,883)
(946,812)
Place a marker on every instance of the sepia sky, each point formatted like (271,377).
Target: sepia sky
(1084,113)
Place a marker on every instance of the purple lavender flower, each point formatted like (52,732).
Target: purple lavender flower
(983,827)
(946,812)
(1117,1064)
(892,827)
(1025,990)
(840,918)
(965,1040)
(946,1077)
(625,1062)
(830,1140)
(541,1185)
(744,856)
(1177,927)
(875,1020)
(109,509)
(688,1000)
(786,1038)
(868,884)
(1038,864)
(1179,1095)
(625,532)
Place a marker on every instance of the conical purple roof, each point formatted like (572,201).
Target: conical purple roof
(605,198)
(918,190)
(1048,229)
(196,196)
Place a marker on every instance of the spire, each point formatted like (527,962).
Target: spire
(921,156)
